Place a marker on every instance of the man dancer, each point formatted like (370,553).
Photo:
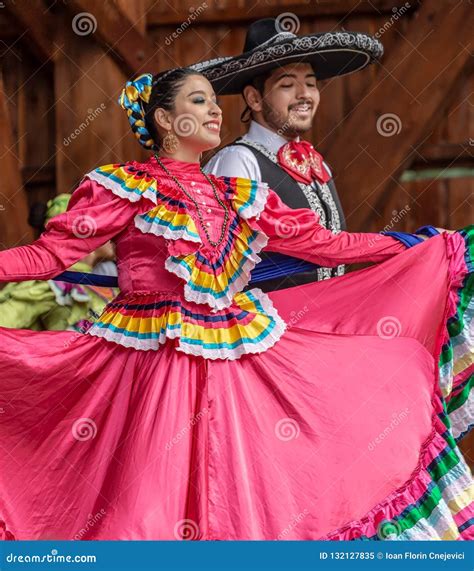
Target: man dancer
(282,97)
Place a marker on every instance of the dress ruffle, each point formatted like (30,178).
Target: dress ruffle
(169,218)
(248,196)
(238,323)
(435,504)
(212,276)
(456,362)
(215,277)
(145,321)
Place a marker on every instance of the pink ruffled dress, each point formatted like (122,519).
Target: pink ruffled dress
(198,408)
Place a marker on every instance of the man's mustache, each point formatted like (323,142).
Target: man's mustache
(309,102)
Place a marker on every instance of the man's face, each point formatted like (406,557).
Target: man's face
(289,101)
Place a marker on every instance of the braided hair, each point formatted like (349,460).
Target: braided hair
(143,95)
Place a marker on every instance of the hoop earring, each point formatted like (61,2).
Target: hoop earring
(170,143)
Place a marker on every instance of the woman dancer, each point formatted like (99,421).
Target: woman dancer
(192,409)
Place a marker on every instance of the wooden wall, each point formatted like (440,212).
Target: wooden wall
(62,90)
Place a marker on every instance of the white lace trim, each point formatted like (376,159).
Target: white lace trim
(117,189)
(166,232)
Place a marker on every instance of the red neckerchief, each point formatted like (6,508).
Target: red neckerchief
(302,162)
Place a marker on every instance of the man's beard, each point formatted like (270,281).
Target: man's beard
(284,126)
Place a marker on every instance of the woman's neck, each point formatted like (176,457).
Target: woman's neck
(184,155)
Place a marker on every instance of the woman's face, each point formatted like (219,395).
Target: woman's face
(196,119)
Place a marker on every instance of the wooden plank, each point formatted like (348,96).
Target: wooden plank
(116,33)
(417,83)
(443,154)
(91,128)
(37,24)
(14,228)
(35,111)
(460,202)
(451,138)
(161,14)
(136,12)
(9,28)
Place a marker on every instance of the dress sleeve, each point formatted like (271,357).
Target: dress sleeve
(298,233)
(94,216)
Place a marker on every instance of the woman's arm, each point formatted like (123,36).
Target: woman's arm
(94,216)
(298,233)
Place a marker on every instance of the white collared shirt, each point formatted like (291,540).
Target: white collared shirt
(237,160)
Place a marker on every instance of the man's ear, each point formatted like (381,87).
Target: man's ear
(163,119)
(253,98)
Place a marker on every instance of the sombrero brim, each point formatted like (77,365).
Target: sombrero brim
(329,53)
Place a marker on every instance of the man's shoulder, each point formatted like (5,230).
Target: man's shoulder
(234,160)
(235,148)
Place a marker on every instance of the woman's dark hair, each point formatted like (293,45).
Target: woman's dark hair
(164,89)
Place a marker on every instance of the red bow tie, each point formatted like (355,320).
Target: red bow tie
(302,162)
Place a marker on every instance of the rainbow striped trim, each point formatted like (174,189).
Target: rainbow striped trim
(215,281)
(210,279)
(456,364)
(146,321)
(248,196)
(169,219)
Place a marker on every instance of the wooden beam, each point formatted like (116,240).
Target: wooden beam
(163,15)
(417,82)
(445,154)
(118,35)
(38,25)
(14,228)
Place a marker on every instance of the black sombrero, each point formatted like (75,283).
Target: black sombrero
(268,46)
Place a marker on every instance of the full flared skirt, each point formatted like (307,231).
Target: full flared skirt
(340,431)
